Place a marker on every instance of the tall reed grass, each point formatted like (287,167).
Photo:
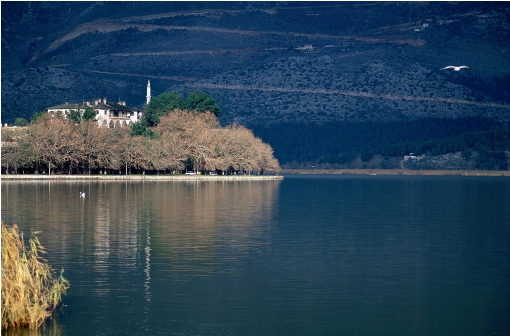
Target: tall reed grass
(31,290)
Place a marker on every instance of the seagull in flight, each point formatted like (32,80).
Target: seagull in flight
(456,68)
(82,194)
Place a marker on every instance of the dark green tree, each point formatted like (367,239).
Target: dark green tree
(74,116)
(140,129)
(201,101)
(89,114)
(366,154)
(37,115)
(20,122)
(347,158)
(160,105)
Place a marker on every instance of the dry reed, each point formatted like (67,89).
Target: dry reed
(30,289)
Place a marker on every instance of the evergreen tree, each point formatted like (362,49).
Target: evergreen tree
(89,114)
(20,122)
(37,115)
(160,105)
(201,101)
(140,129)
(74,116)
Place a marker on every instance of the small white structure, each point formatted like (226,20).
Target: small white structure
(148,91)
(306,48)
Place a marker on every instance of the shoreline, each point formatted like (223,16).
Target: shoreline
(32,177)
(396,172)
(390,172)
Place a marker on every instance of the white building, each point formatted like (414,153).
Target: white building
(108,114)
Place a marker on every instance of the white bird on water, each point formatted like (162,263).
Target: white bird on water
(82,194)
(456,68)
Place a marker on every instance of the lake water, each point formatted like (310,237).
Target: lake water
(309,255)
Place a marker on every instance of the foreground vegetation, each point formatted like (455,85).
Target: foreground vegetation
(30,289)
(182,140)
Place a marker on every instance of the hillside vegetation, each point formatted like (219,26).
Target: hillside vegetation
(267,64)
(341,144)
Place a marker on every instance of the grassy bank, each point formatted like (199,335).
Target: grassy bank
(397,172)
(30,288)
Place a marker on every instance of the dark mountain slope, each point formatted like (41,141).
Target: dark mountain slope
(265,62)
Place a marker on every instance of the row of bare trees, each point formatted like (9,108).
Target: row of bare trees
(183,141)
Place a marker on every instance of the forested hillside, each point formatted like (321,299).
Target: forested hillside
(341,143)
(327,72)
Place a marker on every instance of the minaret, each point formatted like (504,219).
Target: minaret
(149,91)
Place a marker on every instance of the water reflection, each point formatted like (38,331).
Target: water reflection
(111,241)
(50,328)
(185,215)
(307,255)
(147,269)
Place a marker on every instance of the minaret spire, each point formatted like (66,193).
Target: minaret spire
(149,91)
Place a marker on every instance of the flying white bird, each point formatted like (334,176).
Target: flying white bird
(82,194)
(456,68)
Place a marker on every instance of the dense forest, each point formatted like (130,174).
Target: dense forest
(338,144)
(181,141)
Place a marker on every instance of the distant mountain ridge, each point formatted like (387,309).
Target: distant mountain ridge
(265,63)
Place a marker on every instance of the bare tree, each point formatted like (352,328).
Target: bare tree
(238,148)
(267,159)
(181,137)
(134,152)
(99,146)
(15,149)
(55,141)
(192,132)
(200,144)
(244,152)
(11,156)
(170,152)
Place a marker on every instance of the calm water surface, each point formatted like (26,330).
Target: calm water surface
(309,255)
